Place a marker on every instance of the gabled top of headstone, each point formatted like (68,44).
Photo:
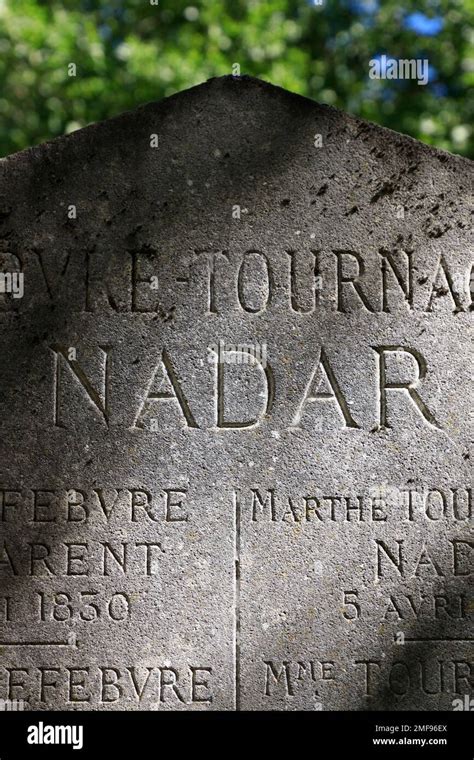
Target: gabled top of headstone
(237,139)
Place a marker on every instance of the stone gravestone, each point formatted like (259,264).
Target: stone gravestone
(235,383)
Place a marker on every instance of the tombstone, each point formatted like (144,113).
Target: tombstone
(235,470)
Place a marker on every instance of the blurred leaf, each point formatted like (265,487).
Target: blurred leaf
(128,52)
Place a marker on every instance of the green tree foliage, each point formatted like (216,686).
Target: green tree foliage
(128,52)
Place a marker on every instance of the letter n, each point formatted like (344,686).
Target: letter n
(99,399)
(396,559)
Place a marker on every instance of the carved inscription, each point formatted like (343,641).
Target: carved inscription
(235,448)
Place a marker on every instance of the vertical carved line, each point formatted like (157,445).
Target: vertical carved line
(237,598)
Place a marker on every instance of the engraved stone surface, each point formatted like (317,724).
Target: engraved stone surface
(235,393)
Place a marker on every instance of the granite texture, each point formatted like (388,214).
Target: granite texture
(235,466)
